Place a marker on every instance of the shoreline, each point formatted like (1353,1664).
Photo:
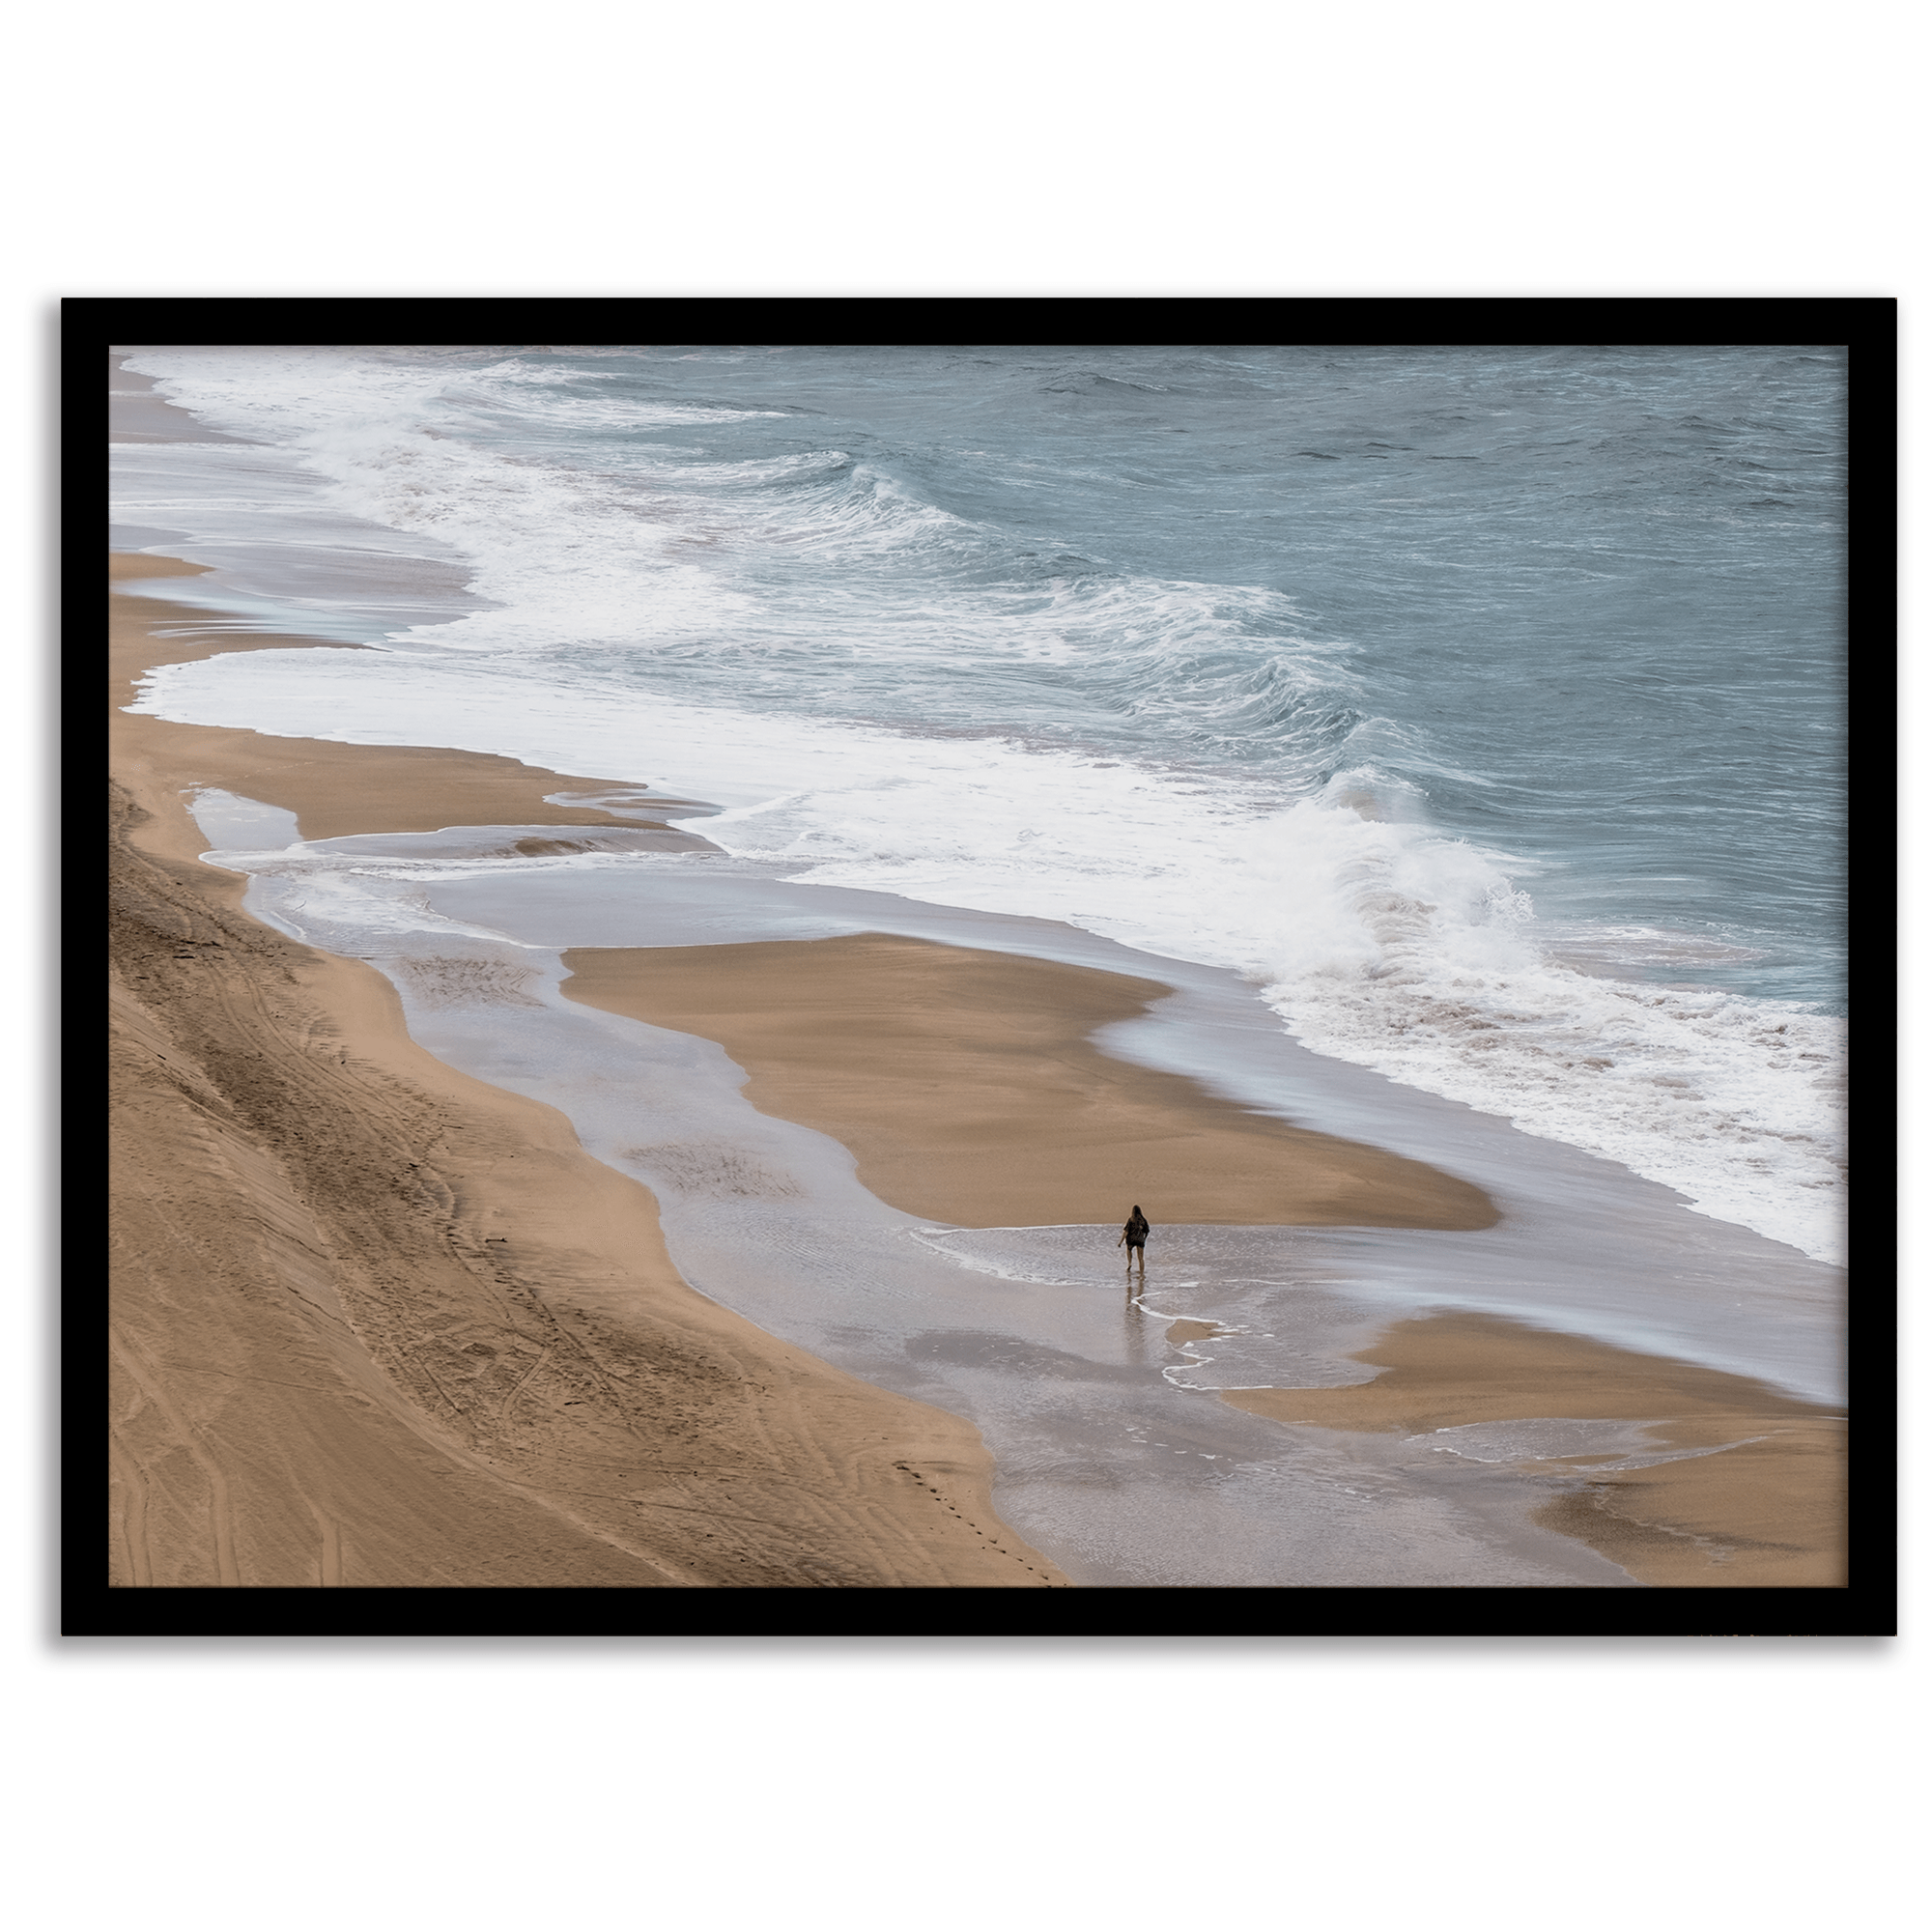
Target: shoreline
(333,789)
(1607,1513)
(375,1323)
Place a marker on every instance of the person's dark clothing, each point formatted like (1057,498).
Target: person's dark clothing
(1137,1230)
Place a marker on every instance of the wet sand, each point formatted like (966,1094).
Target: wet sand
(1768,1510)
(964,1084)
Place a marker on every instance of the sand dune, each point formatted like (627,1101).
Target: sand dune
(374,1323)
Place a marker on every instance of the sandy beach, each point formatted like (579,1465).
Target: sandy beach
(375,1323)
(965,1085)
(378,1322)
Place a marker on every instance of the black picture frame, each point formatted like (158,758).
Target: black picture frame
(1866,326)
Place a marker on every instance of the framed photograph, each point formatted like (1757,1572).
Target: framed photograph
(1068,967)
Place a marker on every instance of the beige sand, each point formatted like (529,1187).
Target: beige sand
(1769,1510)
(374,1323)
(964,1085)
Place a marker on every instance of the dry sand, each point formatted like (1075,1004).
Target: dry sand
(375,1323)
(1769,1510)
(964,1084)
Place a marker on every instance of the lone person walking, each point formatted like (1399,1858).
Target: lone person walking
(1135,1237)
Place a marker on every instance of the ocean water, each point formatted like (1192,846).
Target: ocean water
(1481,709)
